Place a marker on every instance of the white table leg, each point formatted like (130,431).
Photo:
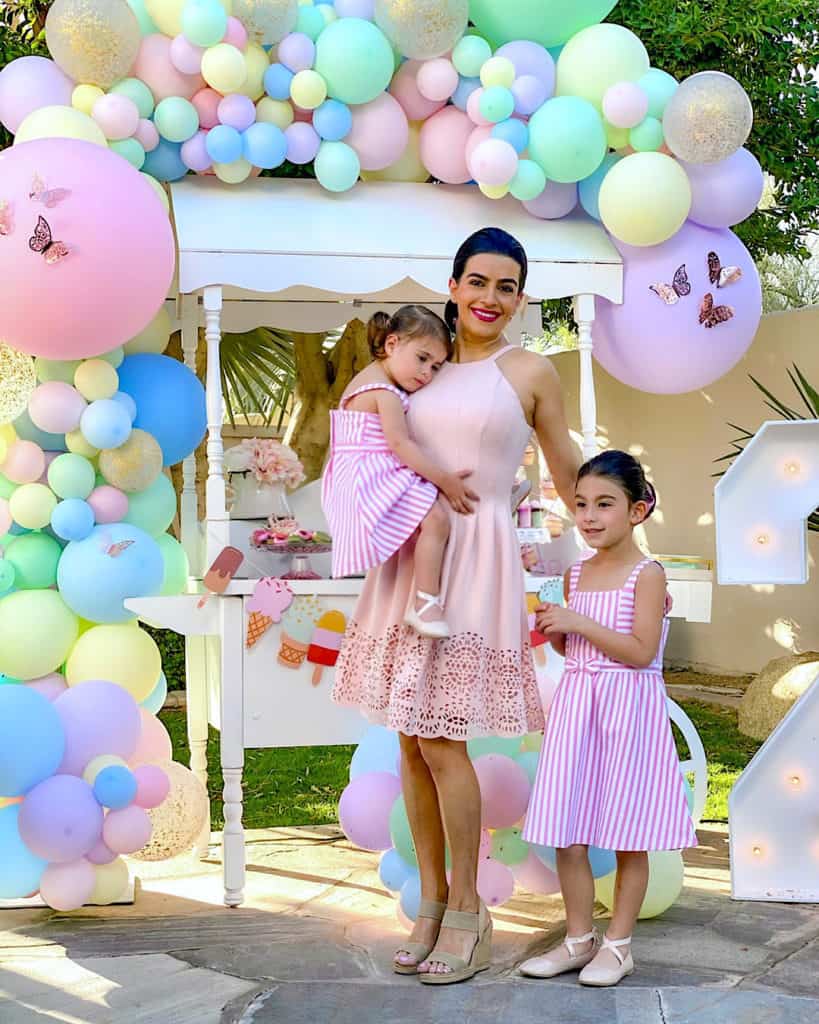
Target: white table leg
(197,712)
(232,747)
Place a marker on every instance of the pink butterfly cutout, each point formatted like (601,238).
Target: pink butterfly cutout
(711,315)
(719,275)
(6,222)
(672,293)
(42,242)
(49,197)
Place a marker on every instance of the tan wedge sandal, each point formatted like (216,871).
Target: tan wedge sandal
(435,912)
(480,925)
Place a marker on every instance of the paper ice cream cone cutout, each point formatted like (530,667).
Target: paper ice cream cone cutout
(325,643)
(292,652)
(257,625)
(298,623)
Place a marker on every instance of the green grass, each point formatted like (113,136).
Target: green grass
(301,785)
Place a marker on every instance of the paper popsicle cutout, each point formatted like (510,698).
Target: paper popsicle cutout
(326,643)
(221,572)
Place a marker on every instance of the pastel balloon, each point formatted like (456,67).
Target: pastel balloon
(59,819)
(513,131)
(504,790)
(56,407)
(154,337)
(223,68)
(71,476)
(109,504)
(126,830)
(122,654)
(724,193)
(393,870)
(100,854)
(235,34)
(153,785)
(530,59)
(93,40)
(379,132)
(67,886)
(308,89)
(404,87)
(50,686)
(659,86)
(115,787)
(207,103)
(332,120)
(194,152)
(625,104)
(156,698)
(567,139)
(597,58)
(154,67)
(147,135)
(530,182)
(443,141)
(666,873)
(37,631)
(185,56)
(176,118)
(437,79)
(153,509)
(408,167)
(105,424)
(529,93)
(85,96)
(96,378)
(110,881)
(32,505)
(364,809)
(473,107)
(355,59)
(130,150)
(548,22)
(496,883)
(31,740)
(277,79)
(29,83)
(72,519)
(555,201)
(24,463)
(493,162)
(264,145)
(534,876)
(134,465)
(378,750)
(589,189)
(302,143)
(237,110)
(98,717)
(204,22)
(59,123)
(136,91)
(337,166)
(176,566)
(116,115)
(154,742)
(644,199)
(297,51)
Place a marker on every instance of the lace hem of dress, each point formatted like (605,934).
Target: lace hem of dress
(459,688)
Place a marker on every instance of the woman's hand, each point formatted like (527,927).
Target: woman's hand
(554,618)
(454,488)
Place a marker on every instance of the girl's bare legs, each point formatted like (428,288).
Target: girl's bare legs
(460,801)
(630,887)
(577,887)
(421,799)
(429,555)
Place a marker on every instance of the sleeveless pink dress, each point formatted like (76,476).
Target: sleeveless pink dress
(608,774)
(481,680)
(372,502)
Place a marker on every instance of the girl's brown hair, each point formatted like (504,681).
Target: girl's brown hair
(407,322)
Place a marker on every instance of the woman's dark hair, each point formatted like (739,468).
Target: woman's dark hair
(626,472)
(488,240)
(407,322)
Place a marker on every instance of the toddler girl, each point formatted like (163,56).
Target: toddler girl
(608,774)
(379,488)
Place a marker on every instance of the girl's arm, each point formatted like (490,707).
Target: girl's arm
(558,640)
(394,425)
(637,648)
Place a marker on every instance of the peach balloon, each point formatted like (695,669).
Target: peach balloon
(154,66)
(154,742)
(24,463)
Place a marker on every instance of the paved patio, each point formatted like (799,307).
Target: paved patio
(314,939)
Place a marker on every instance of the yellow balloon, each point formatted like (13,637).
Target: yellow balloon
(233,173)
(167,14)
(111,883)
(118,653)
(96,765)
(37,630)
(31,506)
(85,96)
(498,71)
(60,123)
(133,466)
(76,443)
(161,194)
(494,191)
(153,338)
(644,199)
(666,873)
(95,379)
(408,167)
(223,68)
(256,63)
(308,89)
(616,137)
(278,112)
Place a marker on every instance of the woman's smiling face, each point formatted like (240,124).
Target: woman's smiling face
(487,295)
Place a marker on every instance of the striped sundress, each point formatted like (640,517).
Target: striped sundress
(373,503)
(608,774)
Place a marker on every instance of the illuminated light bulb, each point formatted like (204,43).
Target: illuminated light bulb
(762,539)
(757,851)
(793,468)
(795,781)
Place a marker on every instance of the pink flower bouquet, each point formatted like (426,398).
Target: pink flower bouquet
(270,461)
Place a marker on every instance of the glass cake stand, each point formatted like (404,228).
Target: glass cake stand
(300,567)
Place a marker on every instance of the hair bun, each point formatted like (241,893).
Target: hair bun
(378,327)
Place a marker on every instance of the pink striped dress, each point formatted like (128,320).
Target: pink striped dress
(372,502)
(608,774)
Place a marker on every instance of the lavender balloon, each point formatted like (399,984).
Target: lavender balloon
(364,809)
(302,142)
(356,9)
(98,718)
(530,93)
(237,111)
(531,59)
(555,201)
(297,51)
(28,83)
(664,348)
(60,820)
(725,193)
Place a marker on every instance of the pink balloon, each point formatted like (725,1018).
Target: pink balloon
(473,107)
(153,785)
(67,886)
(405,89)
(126,831)
(493,162)
(555,201)
(153,65)
(154,743)
(380,132)
(477,135)
(207,103)
(147,135)
(28,83)
(236,34)
(364,809)
(117,115)
(100,854)
(56,407)
(194,152)
(5,517)
(236,110)
(50,686)
(437,79)
(625,104)
(98,717)
(49,458)
(120,252)
(110,504)
(25,462)
(186,57)
(496,883)
(443,142)
(504,790)
(297,51)
(533,875)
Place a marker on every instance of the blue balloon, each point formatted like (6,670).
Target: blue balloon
(588,189)
(465,88)
(20,870)
(170,402)
(115,787)
(224,144)
(72,519)
(333,120)
(32,741)
(277,81)
(127,403)
(156,698)
(264,145)
(95,575)
(393,870)
(164,162)
(28,432)
(377,752)
(602,862)
(512,131)
(410,898)
(105,423)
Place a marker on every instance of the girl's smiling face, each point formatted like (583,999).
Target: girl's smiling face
(603,512)
(487,295)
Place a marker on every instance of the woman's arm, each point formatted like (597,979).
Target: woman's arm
(552,431)
(637,648)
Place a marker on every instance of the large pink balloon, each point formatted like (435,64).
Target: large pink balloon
(504,790)
(154,741)
(380,132)
(664,349)
(364,809)
(28,83)
(496,883)
(405,89)
(154,66)
(120,259)
(68,886)
(533,875)
(443,142)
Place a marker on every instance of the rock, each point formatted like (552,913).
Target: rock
(774,691)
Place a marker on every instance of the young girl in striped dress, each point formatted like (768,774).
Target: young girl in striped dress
(608,774)
(379,488)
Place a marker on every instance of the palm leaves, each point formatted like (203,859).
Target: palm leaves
(807,395)
(258,375)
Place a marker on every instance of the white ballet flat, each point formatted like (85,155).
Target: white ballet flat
(602,977)
(437,629)
(545,967)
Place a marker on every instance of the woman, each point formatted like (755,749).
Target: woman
(477,415)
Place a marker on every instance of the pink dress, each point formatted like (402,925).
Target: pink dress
(608,774)
(481,680)
(373,503)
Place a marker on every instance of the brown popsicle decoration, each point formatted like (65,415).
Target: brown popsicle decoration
(221,572)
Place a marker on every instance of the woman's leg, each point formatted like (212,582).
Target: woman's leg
(429,554)
(630,887)
(421,799)
(460,800)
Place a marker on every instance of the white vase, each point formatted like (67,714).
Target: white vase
(255,500)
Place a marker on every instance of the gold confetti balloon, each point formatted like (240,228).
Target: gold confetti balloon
(421,29)
(179,819)
(134,465)
(267,21)
(93,41)
(17,380)
(708,118)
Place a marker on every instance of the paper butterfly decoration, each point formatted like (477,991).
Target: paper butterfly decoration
(6,223)
(719,275)
(49,197)
(679,287)
(711,315)
(42,242)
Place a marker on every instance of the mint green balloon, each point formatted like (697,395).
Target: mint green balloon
(647,136)
(71,476)
(175,560)
(204,22)
(470,54)
(599,57)
(7,488)
(176,118)
(548,22)
(337,166)
(400,832)
(146,25)
(34,557)
(114,357)
(153,509)
(508,847)
(506,746)
(310,22)
(355,59)
(659,86)
(529,181)
(567,138)
(56,369)
(135,89)
(497,103)
(130,150)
